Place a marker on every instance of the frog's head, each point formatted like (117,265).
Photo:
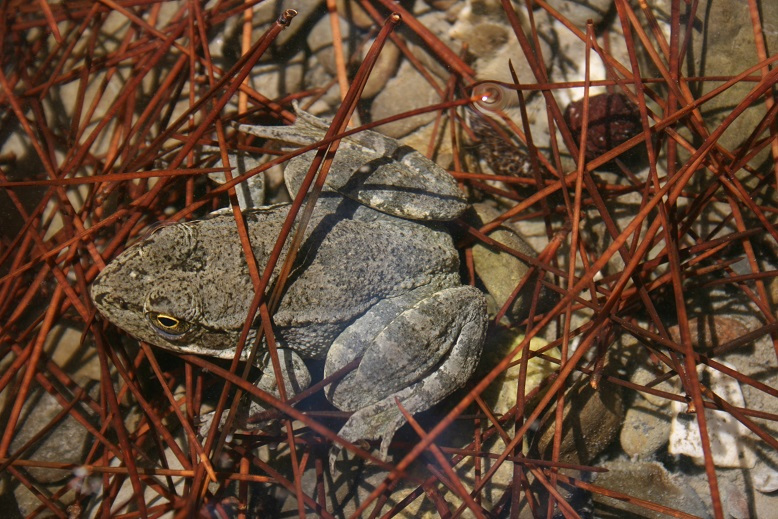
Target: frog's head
(169,290)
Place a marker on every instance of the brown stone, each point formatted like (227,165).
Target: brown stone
(710,332)
(613,120)
(592,420)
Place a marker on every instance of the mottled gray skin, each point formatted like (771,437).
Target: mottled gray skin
(364,283)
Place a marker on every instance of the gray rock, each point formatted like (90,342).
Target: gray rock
(66,442)
(645,480)
(646,429)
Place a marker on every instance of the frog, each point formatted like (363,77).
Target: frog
(376,277)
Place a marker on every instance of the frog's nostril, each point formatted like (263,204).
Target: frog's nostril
(106,300)
(99,298)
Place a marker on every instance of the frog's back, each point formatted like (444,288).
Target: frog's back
(352,258)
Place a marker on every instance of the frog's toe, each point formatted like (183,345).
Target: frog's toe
(376,422)
(206,422)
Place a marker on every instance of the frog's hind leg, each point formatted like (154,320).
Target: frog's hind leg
(419,355)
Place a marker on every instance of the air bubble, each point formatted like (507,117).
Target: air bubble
(489,96)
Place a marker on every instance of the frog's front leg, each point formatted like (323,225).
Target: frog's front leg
(417,353)
(296,379)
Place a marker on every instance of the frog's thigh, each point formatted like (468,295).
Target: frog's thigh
(421,356)
(355,340)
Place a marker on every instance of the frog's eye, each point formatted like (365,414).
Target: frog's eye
(168,326)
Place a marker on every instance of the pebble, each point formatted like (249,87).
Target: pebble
(592,420)
(613,120)
(320,39)
(63,344)
(646,426)
(502,272)
(407,90)
(707,333)
(723,45)
(225,46)
(646,430)
(735,502)
(644,376)
(644,480)
(67,442)
(501,394)
(268,12)
(383,70)
(439,24)
(482,25)
(729,439)
(353,12)
(420,139)
(765,479)
(330,99)
(275,80)
(578,12)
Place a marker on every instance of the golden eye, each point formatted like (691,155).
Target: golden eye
(168,326)
(168,322)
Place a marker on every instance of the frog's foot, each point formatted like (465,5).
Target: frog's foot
(251,192)
(296,379)
(420,355)
(373,169)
